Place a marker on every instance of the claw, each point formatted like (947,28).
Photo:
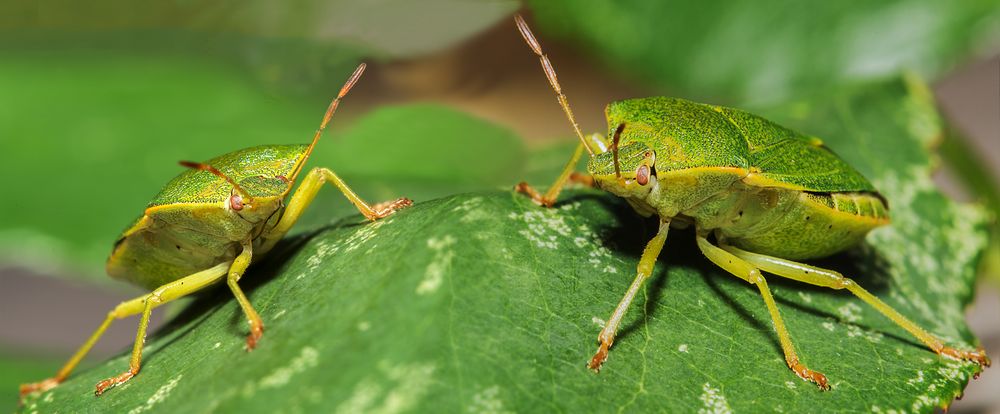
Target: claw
(41,386)
(526,189)
(809,375)
(599,357)
(386,208)
(978,356)
(256,331)
(114,382)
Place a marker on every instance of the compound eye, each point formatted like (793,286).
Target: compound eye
(236,202)
(642,175)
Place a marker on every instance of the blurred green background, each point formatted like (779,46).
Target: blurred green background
(98,101)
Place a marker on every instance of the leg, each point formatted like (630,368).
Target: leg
(142,304)
(163,294)
(834,280)
(305,194)
(239,266)
(550,196)
(748,272)
(646,262)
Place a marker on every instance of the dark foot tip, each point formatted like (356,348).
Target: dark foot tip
(978,356)
(113,382)
(255,334)
(598,359)
(384,209)
(814,377)
(41,386)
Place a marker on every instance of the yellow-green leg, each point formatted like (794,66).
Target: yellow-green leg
(645,269)
(564,177)
(305,194)
(143,304)
(236,271)
(746,271)
(834,280)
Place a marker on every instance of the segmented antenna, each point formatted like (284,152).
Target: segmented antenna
(329,114)
(336,102)
(550,73)
(205,167)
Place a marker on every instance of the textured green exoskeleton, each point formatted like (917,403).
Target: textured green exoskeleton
(210,223)
(766,194)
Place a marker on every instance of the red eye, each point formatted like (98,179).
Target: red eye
(642,175)
(236,202)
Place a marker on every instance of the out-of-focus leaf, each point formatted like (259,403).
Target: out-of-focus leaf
(771,51)
(390,28)
(288,48)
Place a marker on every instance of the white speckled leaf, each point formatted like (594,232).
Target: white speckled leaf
(486,303)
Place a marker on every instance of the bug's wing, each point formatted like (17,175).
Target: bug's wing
(789,157)
(688,134)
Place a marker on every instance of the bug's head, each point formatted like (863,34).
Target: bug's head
(627,169)
(253,198)
(266,194)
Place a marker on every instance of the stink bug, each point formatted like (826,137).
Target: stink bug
(210,223)
(767,195)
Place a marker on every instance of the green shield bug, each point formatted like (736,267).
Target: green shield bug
(767,195)
(210,223)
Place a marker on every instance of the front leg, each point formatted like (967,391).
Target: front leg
(305,194)
(236,271)
(567,174)
(645,269)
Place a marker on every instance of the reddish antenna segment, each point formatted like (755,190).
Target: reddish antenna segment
(329,114)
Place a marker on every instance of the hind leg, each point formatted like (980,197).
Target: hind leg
(828,278)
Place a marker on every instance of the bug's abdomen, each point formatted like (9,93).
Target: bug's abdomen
(802,225)
(158,253)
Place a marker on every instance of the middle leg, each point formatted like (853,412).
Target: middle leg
(550,196)
(305,194)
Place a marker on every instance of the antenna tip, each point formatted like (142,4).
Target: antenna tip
(360,69)
(350,82)
(529,37)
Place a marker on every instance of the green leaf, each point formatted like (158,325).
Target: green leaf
(485,302)
(89,139)
(771,51)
